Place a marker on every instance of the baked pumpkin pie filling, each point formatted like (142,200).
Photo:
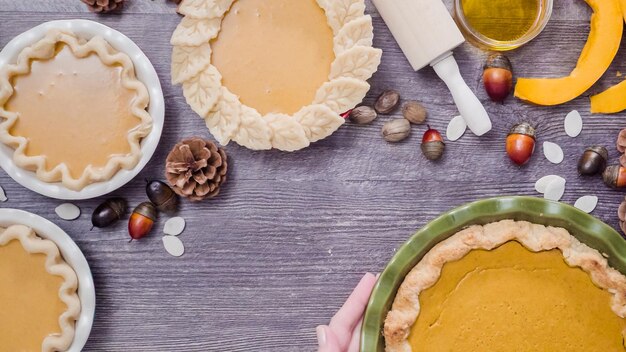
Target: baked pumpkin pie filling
(512,299)
(73,110)
(274,54)
(30,305)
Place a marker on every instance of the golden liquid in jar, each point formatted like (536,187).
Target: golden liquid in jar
(501,20)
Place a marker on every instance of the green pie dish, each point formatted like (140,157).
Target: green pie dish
(585,227)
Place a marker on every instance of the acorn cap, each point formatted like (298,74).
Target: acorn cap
(170,205)
(498,60)
(162,196)
(118,205)
(146,209)
(523,128)
(599,150)
(610,174)
(433,150)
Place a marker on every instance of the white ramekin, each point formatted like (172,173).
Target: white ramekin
(73,256)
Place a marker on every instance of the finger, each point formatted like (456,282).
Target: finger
(356,338)
(350,313)
(326,340)
(343,323)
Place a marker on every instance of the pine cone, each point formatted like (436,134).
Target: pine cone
(196,168)
(103,5)
(621,214)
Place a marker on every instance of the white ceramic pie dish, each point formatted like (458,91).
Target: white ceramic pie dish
(73,256)
(145,73)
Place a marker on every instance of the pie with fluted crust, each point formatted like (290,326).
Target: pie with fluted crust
(273,73)
(509,286)
(39,304)
(73,110)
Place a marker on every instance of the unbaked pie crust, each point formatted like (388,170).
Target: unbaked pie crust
(536,238)
(54,265)
(46,49)
(228,119)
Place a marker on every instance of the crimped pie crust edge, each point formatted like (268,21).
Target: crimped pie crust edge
(534,237)
(55,265)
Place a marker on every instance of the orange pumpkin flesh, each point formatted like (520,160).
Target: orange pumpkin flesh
(599,51)
(613,99)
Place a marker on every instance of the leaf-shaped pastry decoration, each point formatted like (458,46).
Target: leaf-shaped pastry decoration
(204,8)
(360,62)
(224,121)
(318,121)
(188,61)
(195,32)
(254,132)
(203,90)
(357,32)
(340,12)
(287,133)
(220,134)
(342,94)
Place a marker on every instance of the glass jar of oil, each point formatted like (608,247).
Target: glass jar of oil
(502,24)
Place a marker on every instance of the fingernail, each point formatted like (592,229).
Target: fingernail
(321,335)
(377,275)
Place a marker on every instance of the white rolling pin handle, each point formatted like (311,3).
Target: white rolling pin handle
(468,104)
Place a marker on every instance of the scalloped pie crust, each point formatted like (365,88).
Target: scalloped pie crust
(39,304)
(73,110)
(509,286)
(273,73)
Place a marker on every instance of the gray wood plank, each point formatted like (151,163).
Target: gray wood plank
(279,251)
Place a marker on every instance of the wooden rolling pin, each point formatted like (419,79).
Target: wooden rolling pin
(427,35)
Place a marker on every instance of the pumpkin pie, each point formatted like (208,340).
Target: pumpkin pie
(273,73)
(509,286)
(73,110)
(39,304)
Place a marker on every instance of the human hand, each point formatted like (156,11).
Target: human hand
(342,334)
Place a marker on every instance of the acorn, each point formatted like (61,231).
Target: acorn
(432,144)
(414,112)
(387,102)
(108,212)
(141,220)
(498,77)
(396,130)
(593,161)
(614,176)
(162,196)
(363,115)
(520,143)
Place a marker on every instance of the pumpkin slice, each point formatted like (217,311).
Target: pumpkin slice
(613,99)
(604,40)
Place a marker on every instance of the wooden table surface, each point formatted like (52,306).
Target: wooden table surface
(291,234)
